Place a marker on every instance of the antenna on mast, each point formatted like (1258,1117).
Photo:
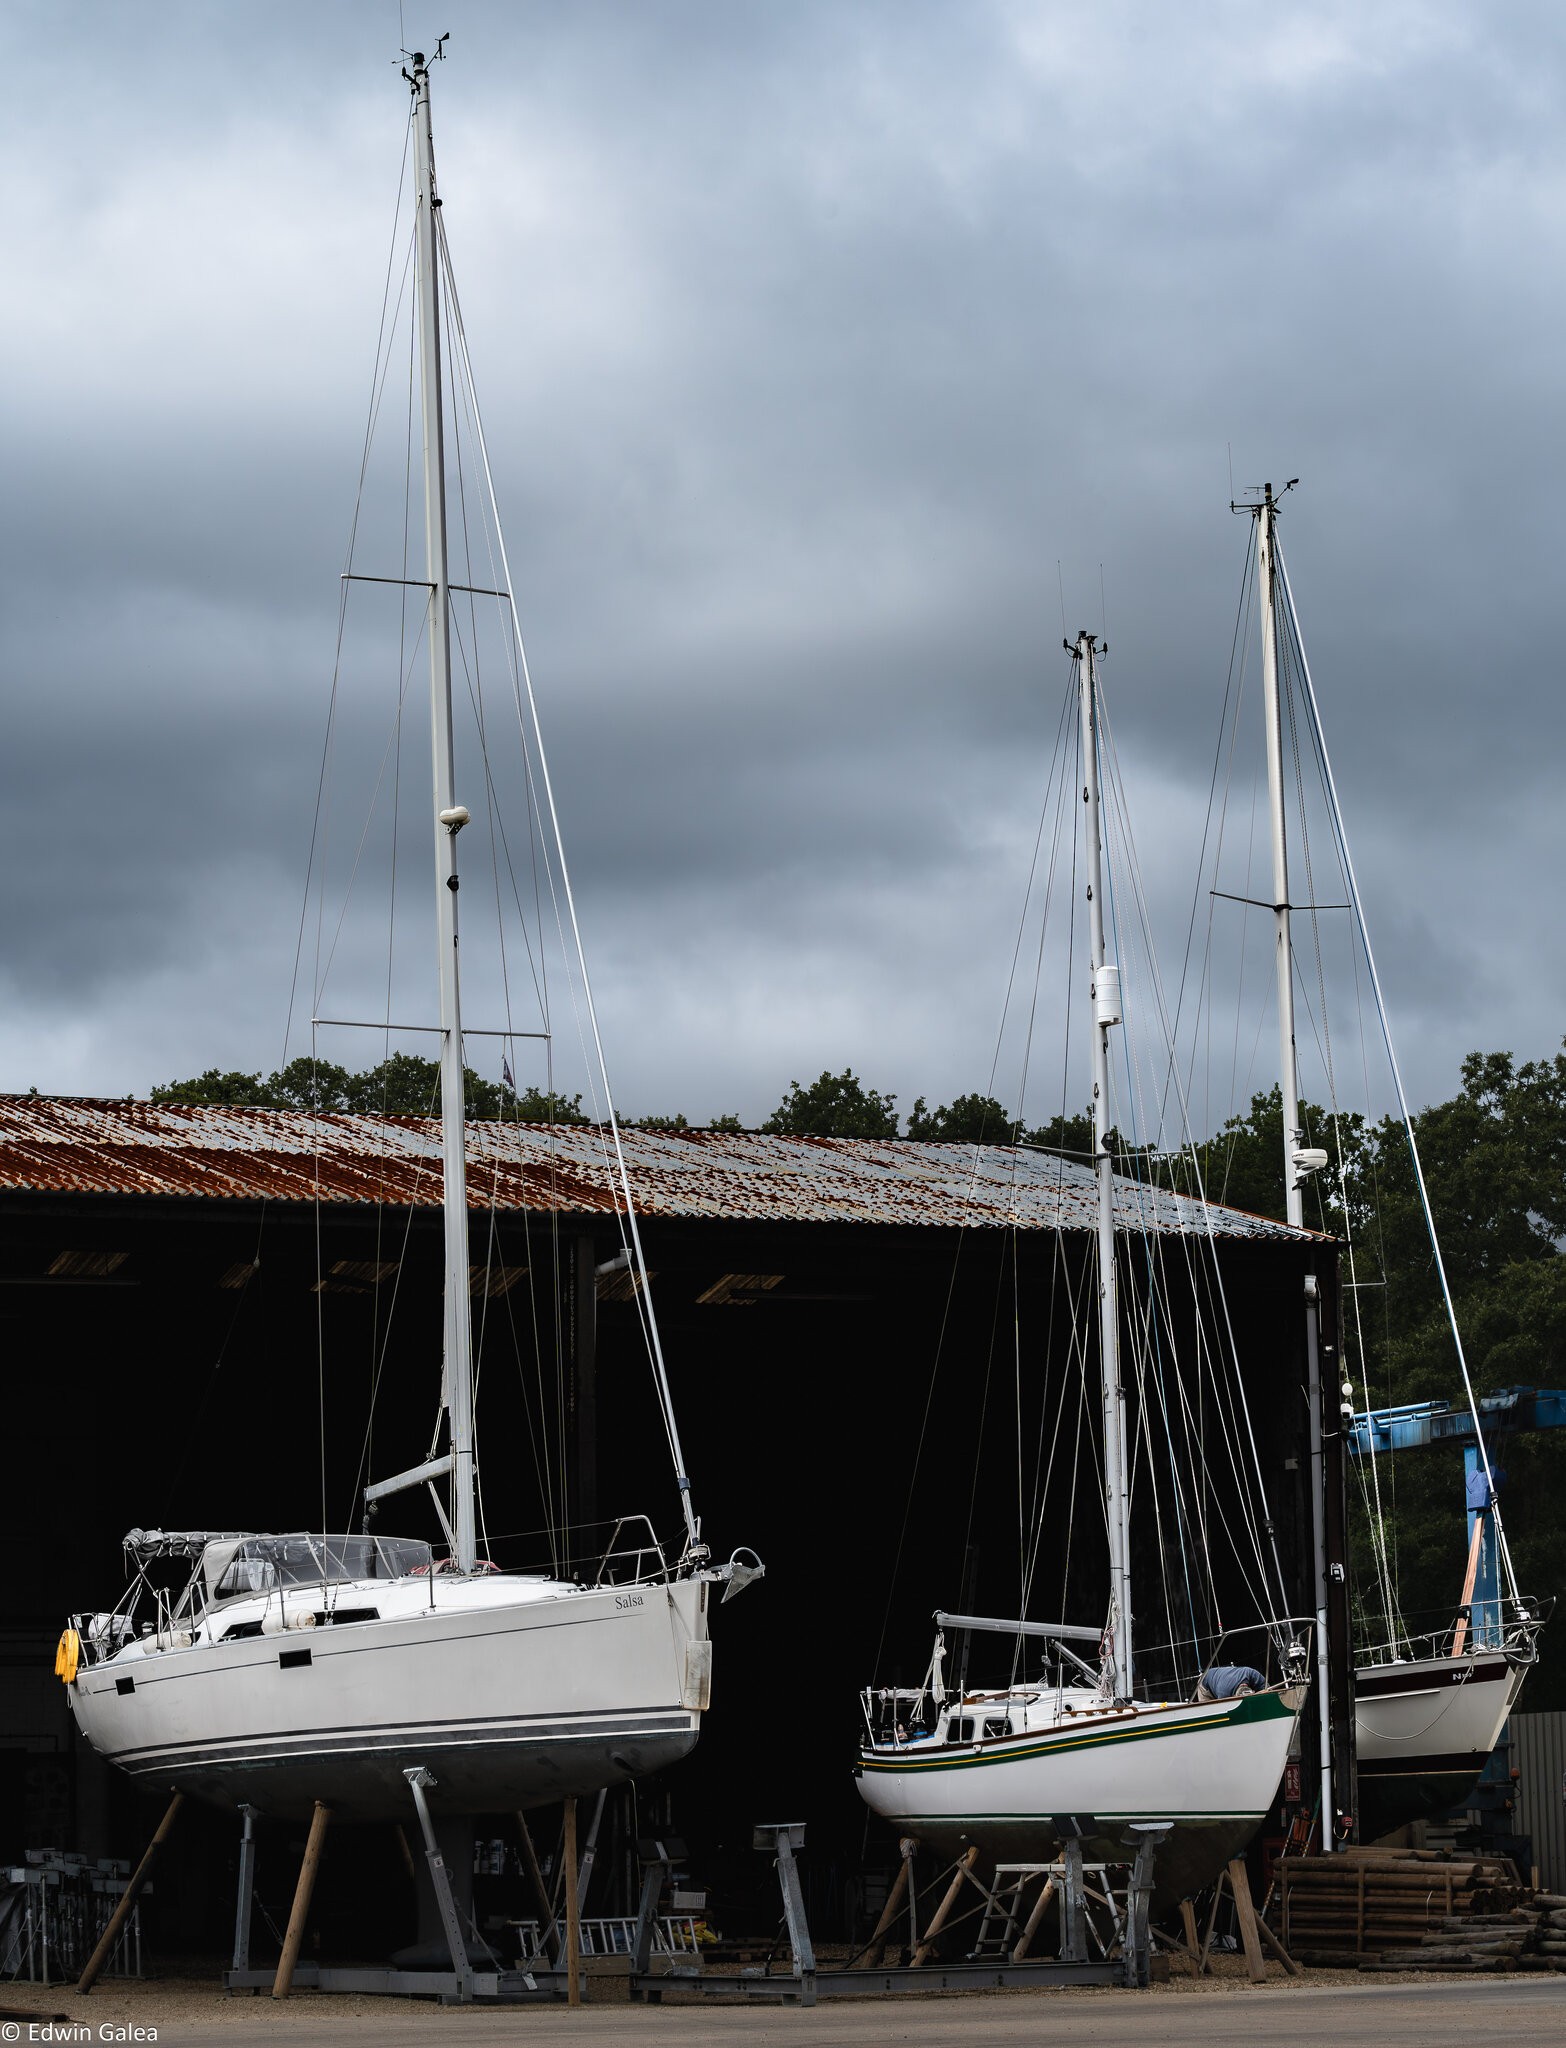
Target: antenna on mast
(420,62)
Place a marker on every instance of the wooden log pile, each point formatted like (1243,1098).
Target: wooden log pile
(1531,1936)
(1367,1903)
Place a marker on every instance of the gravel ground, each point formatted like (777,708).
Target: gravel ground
(1329,2005)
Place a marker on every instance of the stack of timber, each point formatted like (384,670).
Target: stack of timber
(1361,1904)
(1529,1937)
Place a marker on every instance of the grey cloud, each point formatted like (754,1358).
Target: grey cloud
(808,343)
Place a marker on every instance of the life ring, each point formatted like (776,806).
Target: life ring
(68,1654)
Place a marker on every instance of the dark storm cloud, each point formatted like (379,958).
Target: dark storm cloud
(809,342)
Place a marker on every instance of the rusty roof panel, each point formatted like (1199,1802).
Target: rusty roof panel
(78,1146)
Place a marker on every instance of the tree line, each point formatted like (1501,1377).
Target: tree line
(1494,1158)
(834,1106)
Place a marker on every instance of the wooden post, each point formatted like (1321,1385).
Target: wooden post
(541,1898)
(1212,1920)
(128,1898)
(283,1982)
(1245,1913)
(1474,1549)
(943,1911)
(573,1942)
(1271,1941)
(889,1913)
(1040,1908)
(1192,1938)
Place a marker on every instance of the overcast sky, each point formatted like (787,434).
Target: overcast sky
(811,339)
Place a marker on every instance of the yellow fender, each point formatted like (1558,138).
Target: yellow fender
(67,1656)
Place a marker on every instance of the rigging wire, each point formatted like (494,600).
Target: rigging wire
(1263,1528)
(523,686)
(939,1351)
(1335,812)
(319,834)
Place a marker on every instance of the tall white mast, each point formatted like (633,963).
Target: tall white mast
(1105,992)
(449,818)
(1288,1068)
(1294,1158)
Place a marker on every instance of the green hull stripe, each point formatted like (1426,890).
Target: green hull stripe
(1105,1820)
(1257,1706)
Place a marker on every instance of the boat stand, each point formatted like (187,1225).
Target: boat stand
(440,1877)
(462,1984)
(245,1891)
(796,1987)
(997,1957)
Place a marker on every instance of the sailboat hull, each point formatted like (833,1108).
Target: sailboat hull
(1212,1771)
(1424,1731)
(508,1705)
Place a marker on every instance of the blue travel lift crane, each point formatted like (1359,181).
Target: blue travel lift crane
(1416,1424)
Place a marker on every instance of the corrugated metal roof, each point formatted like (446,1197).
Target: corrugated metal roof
(84,1146)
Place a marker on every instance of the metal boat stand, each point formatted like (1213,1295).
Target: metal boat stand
(462,1984)
(797,1987)
(999,1955)
(1139,1897)
(245,1892)
(440,1877)
(1007,1938)
(805,1982)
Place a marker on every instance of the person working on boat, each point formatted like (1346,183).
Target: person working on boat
(1230,1682)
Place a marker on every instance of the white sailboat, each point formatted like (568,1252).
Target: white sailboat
(299,1667)
(1429,1705)
(1083,1751)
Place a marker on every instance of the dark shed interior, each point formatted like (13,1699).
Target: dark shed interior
(159,1375)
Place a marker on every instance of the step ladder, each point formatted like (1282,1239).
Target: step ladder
(1023,1893)
(1006,1909)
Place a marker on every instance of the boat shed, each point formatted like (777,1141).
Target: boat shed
(196,1299)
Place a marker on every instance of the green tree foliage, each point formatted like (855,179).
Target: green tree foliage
(1494,1158)
(1242,1167)
(244,1090)
(1070,1136)
(969,1120)
(835,1106)
(1495,1165)
(402,1085)
(544,1106)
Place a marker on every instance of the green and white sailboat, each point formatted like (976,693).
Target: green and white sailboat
(1086,1748)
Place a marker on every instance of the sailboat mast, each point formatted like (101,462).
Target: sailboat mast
(1105,992)
(1293,1137)
(457,1357)
(1288,1064)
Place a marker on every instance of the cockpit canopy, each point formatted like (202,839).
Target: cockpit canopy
(233,1567)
